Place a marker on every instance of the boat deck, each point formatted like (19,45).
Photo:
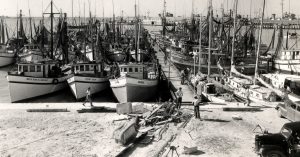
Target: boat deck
(174,77)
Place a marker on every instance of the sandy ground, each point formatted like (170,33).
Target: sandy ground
(219,135)
(90,134)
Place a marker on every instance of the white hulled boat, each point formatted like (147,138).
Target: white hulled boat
(7,57)
(288,61)
(137,83)
(86,75)
(30,80)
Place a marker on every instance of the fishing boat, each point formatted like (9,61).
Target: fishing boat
(30,80)
(37,78)
(7,52)
(136,82)
(7,56)
(85,75)
(210,93)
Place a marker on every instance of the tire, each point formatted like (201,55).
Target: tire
(273,153)
(279,113)
(55,81)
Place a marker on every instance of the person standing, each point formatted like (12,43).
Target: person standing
(166,58)
(196,104)
(182,76)
(179,96)
(247,97)
(88,97)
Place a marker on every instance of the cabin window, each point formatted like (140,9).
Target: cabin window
(136,70)
(130,69)
(32,68)
(81,68)
(92,66)
(293,106)
(20,68)
(125,69)
(76,68)
(298,108)
(87,68)
(25,68)
(38,68)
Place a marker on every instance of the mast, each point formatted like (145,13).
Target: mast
(3,32)
(259,41)
(51,42)
(51,27)
(136,34)
(113,24)
(210,36)
(200,51)
(233,37)
(30,27)
(72,13)
(1,28)
(18,42)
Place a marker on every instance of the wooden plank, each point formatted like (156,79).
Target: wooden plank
(48,110)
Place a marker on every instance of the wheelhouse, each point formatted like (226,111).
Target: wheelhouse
(87,68)
(139,71)
(50,69)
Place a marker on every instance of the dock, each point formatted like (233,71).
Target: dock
(173,75)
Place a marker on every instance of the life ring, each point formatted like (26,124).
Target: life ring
(55,81)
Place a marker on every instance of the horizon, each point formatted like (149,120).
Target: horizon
(105,7)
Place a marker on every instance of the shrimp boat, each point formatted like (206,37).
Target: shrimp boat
(85,75)
(7,55)
(37,78)
(30,80)
(137,82)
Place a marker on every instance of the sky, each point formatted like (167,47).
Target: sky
(153,7)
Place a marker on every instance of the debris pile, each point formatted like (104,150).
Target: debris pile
(147,122)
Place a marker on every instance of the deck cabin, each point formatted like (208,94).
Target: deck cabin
(47,69)
(88,69)
(289,54)
(140,71)
(236,82)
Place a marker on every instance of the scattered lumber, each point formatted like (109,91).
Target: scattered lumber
(96,109)
(244,109)
(48,110)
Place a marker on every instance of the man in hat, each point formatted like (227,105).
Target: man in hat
(179,95)
(196,104)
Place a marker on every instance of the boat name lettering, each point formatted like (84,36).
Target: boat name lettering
(93,79)
(36,79)
(141,82)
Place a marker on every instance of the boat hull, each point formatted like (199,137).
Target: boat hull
(22,87)
(134,90)
(6,59)
(80,84)
(287,66)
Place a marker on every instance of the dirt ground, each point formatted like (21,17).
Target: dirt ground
(90,134)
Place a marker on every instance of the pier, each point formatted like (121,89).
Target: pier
(173,75)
